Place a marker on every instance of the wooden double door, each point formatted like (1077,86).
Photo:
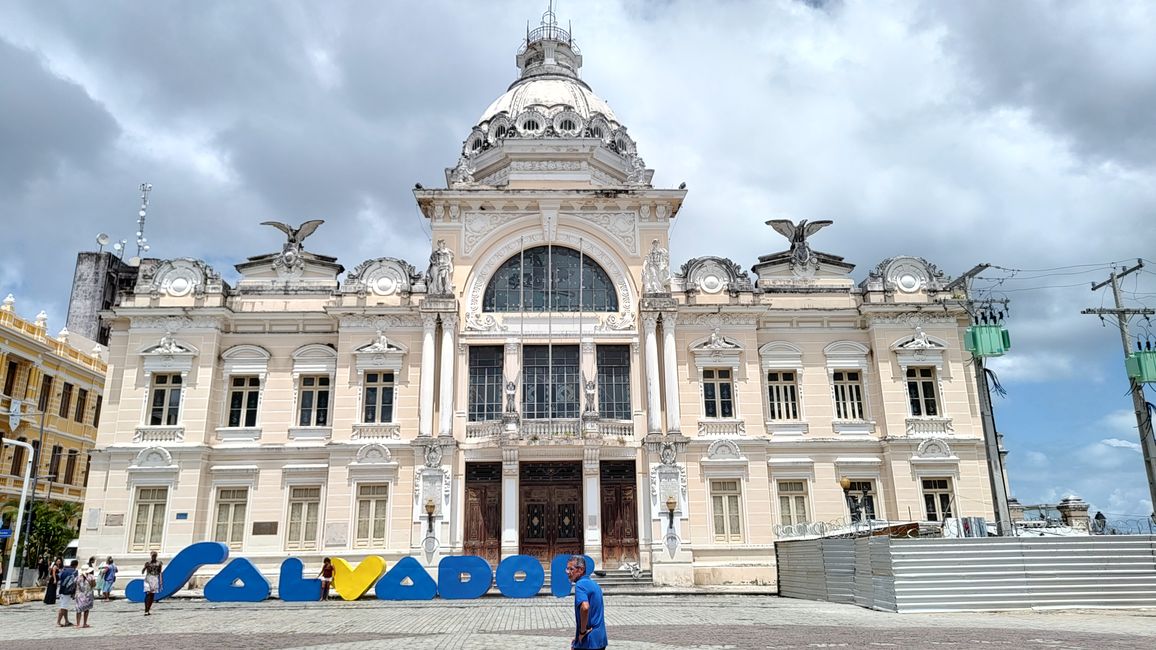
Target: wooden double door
(483,525)
(619,513)
(550,509)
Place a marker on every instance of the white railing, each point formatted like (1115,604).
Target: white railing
(722,428)
(483,430)
(929,426)
(383,431)
(159,434)
(616,428)
(551,429)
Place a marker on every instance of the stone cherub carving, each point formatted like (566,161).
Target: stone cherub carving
(441,270)
(797,234)
(717,342)
(290,257)
(590,389)
(511,397)
(656,270)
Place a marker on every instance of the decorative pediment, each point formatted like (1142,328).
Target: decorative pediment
(246,360)
(153,459)
(724,459)
(373,454)
(713,275)
(919,349)
(847,355)
(716,350)
(379,354)
(168,354)
(180,277)
(315,358)
(906,275)
(934,451)
(723,450)
(780,355)
(384,276)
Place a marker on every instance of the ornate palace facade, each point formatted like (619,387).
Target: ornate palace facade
(547,386)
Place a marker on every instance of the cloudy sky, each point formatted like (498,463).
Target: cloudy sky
(1015,133)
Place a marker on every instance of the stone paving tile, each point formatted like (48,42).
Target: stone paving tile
(634,622)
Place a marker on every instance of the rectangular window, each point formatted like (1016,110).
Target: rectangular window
(378,397)
(863,493)
(921,391)
(782,395)
(717,393)
(724,496)
(54,461)
(18,458)
(372,510)
(65,400)
(10,378)
(486,379)
(81,405)
(70,467)
(231,506)
(848,388)
(96,411)
(45,393)
(937,498)
(793,502)
(244,394)
(149,519)
(165,408)
(314,403)
(550,381)
(304,506)
(614,381)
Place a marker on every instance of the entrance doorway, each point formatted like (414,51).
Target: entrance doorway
(619,513)
(483,534)
(550,509)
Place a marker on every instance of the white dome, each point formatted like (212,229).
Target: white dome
(549,92)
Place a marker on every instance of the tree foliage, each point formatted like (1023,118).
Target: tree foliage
(53,527)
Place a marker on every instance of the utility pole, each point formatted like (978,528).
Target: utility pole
(995,468)
(1123,315)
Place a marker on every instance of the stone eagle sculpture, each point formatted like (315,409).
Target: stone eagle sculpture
(298,234)
(289,262)
(797,234)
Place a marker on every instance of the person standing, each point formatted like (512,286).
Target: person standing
(326,576)
(153,581)
(65,592)
(42,570)
(50,585)
(589,621)
(85,584)
(107,579)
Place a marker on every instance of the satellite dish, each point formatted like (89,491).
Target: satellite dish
(102,239)
(134,261)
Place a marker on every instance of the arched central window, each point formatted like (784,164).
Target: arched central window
(550,278)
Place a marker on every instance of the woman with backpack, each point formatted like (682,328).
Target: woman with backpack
(65,593)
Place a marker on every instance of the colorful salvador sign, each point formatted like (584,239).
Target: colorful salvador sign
(459,577)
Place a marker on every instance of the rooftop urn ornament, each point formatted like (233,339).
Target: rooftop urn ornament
(9,303)
(290,258)
(441,270)
(802,257)
(656,270)
(42,320)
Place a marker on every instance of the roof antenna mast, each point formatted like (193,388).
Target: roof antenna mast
(142,243)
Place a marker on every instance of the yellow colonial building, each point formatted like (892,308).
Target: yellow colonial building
(51,398)
(548,384)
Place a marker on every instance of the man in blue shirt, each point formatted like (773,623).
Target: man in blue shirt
(590,627)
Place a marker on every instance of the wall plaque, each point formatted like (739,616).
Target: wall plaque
(114,519)
(264,528)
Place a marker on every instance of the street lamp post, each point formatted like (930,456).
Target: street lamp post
(854,503)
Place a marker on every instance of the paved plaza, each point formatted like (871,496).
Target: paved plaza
(635,622)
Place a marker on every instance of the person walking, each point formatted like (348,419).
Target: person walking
(153,581)
(42,570)
(50,584)
(326,576)
(107,578)
(85,585)
(65,592)
(589,620)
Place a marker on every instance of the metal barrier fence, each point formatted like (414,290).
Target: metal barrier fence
(926,575)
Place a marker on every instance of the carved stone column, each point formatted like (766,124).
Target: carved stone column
(670,368)
(509,501)
(653,401)
(429,323)
(446,396)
